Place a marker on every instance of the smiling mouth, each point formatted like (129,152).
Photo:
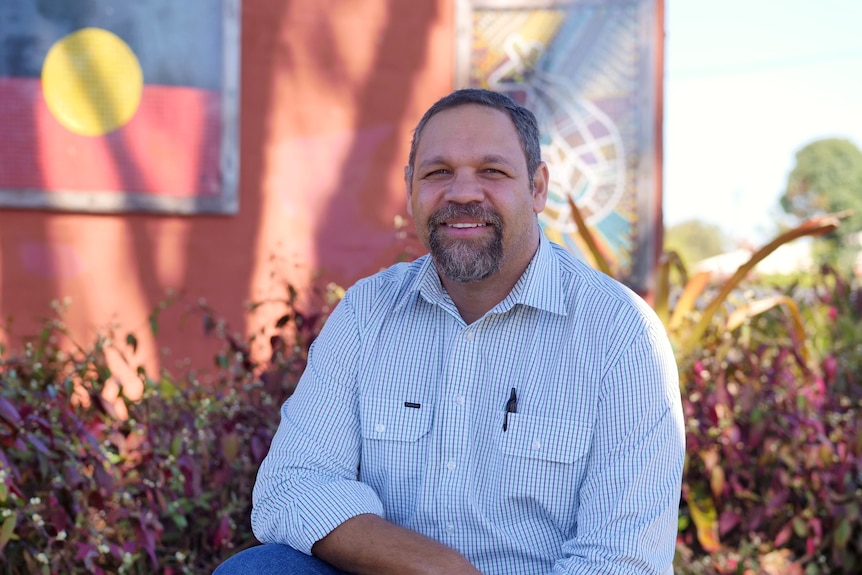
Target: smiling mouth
(465,217)
(466,226)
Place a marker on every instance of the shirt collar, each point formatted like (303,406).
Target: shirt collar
(540,286)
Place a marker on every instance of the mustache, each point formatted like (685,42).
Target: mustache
(472,211)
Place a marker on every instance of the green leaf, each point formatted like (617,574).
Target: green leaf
(167,389)
(842,533)
(176,446)
(230,447)
(180,520)
(7,530)
(705,517)
(800,527)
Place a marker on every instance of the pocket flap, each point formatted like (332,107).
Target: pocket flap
(386,419)
(545,438)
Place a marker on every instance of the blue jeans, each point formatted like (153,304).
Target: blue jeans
(273,559)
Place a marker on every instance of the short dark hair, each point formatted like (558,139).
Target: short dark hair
(522,118)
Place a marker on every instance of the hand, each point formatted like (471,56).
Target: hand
(370,545)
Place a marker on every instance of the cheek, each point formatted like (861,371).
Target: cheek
(419,207)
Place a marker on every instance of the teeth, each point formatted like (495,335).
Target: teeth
(466,225)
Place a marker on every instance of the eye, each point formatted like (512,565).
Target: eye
(497,172)
(437,172)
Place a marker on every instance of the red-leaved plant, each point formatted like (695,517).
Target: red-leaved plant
(773,481)
(167,490)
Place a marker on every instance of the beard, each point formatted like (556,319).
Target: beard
(466,260)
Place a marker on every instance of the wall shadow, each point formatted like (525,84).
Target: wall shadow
(357,235)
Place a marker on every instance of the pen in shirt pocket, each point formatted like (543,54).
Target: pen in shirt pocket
(511,407)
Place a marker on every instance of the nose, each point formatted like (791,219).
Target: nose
(465,188)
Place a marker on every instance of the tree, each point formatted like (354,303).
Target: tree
(694,240)
(827,178)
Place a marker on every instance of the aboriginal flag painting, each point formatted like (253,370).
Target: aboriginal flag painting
(586,69)
(115,106)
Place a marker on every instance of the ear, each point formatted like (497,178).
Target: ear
(540,187)
(408,185)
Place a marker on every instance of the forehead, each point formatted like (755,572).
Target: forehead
(470,130)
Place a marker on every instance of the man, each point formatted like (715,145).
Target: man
(496,407)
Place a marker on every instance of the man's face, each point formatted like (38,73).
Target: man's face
(470,195)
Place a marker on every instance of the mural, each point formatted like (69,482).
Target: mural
(119,106)
(587,70)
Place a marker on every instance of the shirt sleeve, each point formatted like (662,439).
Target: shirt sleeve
(629,500)
(307,484)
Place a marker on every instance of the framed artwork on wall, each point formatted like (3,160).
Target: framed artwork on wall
(112,106)
(591,72)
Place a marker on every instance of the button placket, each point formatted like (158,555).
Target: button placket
(460,373)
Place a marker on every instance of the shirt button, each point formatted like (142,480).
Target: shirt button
(468,336)
(537,445)
(450,528)
(459,400)
(379,428)
(451,466)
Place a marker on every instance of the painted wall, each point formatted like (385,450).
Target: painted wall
(330,91)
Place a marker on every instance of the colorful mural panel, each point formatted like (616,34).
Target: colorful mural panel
(587,69)
(112,106)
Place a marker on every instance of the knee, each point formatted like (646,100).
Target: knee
(229,567)
(274,559)
(242,562)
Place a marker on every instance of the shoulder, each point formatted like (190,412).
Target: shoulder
(366,304)
(589,291)
(388,288)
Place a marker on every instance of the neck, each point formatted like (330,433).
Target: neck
(475,299)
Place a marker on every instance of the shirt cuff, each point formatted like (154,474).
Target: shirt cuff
(331,505)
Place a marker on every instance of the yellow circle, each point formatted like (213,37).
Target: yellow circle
(92,82)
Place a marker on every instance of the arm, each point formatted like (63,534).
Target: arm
(627,520)
(307,485)
(307,494)
(367,544)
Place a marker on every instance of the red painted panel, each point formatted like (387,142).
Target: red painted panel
(169,148)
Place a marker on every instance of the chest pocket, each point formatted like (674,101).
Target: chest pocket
(394,452)
(545,438)
(387,419)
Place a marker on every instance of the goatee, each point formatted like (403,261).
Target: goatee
(466,260)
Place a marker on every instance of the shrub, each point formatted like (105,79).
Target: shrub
(771,393)
(773,478)
(166,490)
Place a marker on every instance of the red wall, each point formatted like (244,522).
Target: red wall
(330,91)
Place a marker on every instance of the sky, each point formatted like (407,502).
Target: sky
(747,84)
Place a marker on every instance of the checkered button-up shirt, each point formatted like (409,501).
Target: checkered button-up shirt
(401,413)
